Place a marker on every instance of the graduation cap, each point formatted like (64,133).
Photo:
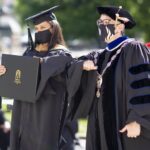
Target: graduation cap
(46,15)
(122,15)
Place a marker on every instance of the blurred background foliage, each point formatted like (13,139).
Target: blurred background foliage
(78,17)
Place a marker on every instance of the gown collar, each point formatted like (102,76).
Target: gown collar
(114,44)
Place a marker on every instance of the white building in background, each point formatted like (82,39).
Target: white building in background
(10,30)
(7,2)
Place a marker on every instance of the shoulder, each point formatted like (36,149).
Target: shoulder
(61,51)
(96,53)
(136,52)
(134,44)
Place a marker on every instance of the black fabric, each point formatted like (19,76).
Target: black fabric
(46,15)
(79,85)
(140,68)
(2,119)
(43,37)
(4,140)
(37,126)
(140,100)
(69,131)
(113,110)
(140,83)
(109,105)
(105,31)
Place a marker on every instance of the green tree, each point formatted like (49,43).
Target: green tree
(78,17)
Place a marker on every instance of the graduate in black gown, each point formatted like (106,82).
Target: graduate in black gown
(38,125)
(112,87)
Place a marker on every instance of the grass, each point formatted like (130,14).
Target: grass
(7,113)
(82,127)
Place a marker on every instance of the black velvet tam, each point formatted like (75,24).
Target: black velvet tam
(111,11)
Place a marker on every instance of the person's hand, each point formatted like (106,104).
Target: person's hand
(133,130)
(5,127)
(89,65)
(2,70)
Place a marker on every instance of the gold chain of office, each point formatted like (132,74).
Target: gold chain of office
(100,76)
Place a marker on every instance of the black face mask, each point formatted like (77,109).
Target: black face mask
(43,37)
(106,31)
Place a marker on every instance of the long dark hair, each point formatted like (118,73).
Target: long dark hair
(57,36)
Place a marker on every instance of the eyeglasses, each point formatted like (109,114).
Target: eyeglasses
(105,21)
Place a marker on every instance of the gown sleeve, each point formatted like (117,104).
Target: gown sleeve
(81,88)
(138,84)
(51,66)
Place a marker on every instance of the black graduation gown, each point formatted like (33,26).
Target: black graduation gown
(2,119)
(69,130)
(125,97)
(37,125)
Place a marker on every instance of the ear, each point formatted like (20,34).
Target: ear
(120,28)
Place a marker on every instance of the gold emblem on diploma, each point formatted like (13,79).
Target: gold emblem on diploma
(18,77)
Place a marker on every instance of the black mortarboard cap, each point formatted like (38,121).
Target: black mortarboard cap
(111,11)
(43,16)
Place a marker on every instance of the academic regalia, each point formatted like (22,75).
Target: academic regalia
(69,130)
(125,94)
(2,119)
(37,125)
